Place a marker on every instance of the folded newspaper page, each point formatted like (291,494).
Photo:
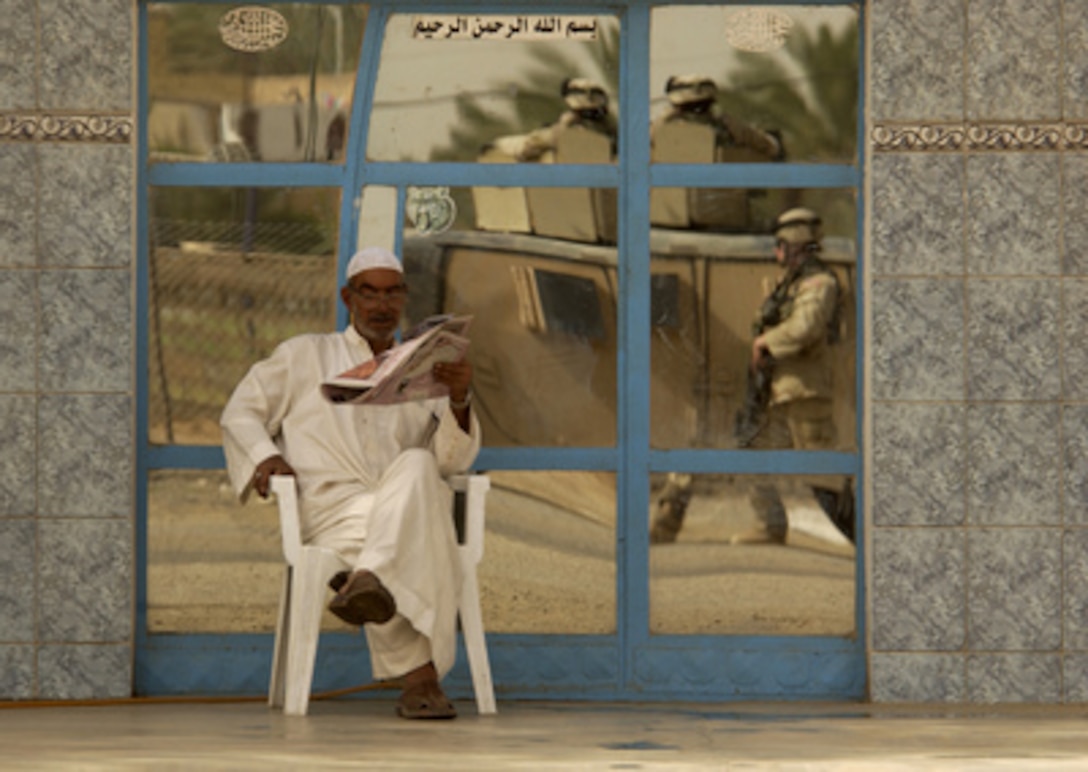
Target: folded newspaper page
(404,373)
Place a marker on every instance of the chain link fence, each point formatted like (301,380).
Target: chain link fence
(221,296)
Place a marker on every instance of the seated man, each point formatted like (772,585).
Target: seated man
(370,480)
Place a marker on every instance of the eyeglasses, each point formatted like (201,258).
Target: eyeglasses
(372,296)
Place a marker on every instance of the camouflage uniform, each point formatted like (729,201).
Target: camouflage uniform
(587,107)
(799,415)
(692,98)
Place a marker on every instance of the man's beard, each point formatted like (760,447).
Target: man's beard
(370,333)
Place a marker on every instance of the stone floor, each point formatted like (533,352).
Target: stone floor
(364,733)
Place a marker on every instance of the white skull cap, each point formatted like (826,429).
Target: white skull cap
(373,257)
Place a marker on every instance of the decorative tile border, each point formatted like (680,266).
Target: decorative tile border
(65,128)
(931,137)
(885,138)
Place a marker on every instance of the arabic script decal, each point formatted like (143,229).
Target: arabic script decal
(252,28)
(504,27)
(431,210)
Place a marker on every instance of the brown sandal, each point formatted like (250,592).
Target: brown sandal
(425,700)
(362,599)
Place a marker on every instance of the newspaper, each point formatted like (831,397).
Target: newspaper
(404,373)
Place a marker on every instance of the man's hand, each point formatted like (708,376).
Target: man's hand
(270,466)
(457,376)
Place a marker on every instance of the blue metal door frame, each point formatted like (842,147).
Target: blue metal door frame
(630,664)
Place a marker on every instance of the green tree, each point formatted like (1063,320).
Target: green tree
(812,101)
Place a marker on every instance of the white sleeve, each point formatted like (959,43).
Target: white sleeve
(252,417)
(455,449)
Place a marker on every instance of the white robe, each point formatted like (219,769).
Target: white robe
(370,485)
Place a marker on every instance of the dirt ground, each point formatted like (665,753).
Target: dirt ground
(215,566)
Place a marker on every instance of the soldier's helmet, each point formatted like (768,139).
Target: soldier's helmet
(799,226)
(684,91)
(584,96)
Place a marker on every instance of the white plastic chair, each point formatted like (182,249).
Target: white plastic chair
(305,590)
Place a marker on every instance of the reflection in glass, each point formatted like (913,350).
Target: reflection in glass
(202,549)
(550,538)
(751,555)
(497,89)
(534,268)
(279,100)
(233,272)
(787,71)
(708,286)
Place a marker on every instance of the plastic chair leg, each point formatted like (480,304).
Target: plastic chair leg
(278,681)
(304,626)
(472,628)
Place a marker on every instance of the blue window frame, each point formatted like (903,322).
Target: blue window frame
(630,663)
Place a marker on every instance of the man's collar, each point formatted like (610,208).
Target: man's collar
(354,338)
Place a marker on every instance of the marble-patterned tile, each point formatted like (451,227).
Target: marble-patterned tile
(86,54)
(918,214)
(1075,678)
(1074,343)
(1012,339)
(918,678)
(1076,589)
(86,205)
(1014,60)
(17,591)
(18,330)
(1075,27)
(1014,678)
(1012,475)
(16,672)
(85,576)
(1074,194)
(918,339)
(1075,463)
(919,468)
(1014,214)
(86,330)
(18,455)
(17,57)
(918,597)
(84,672)
(917,68)
(18,204)
(85,455)
(1014,578)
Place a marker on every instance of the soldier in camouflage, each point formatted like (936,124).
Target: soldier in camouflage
(791,358)
(587,107)
(693,98)
(798,323)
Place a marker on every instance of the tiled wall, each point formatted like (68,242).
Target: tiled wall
(978,293)
(67,562)
(979,298)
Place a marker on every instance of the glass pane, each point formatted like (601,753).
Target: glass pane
(497,88)
(233,272)
(532,268)
(751,555)
(205,551)
(709,287)
(754,83)
(255,83)
(550,537)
